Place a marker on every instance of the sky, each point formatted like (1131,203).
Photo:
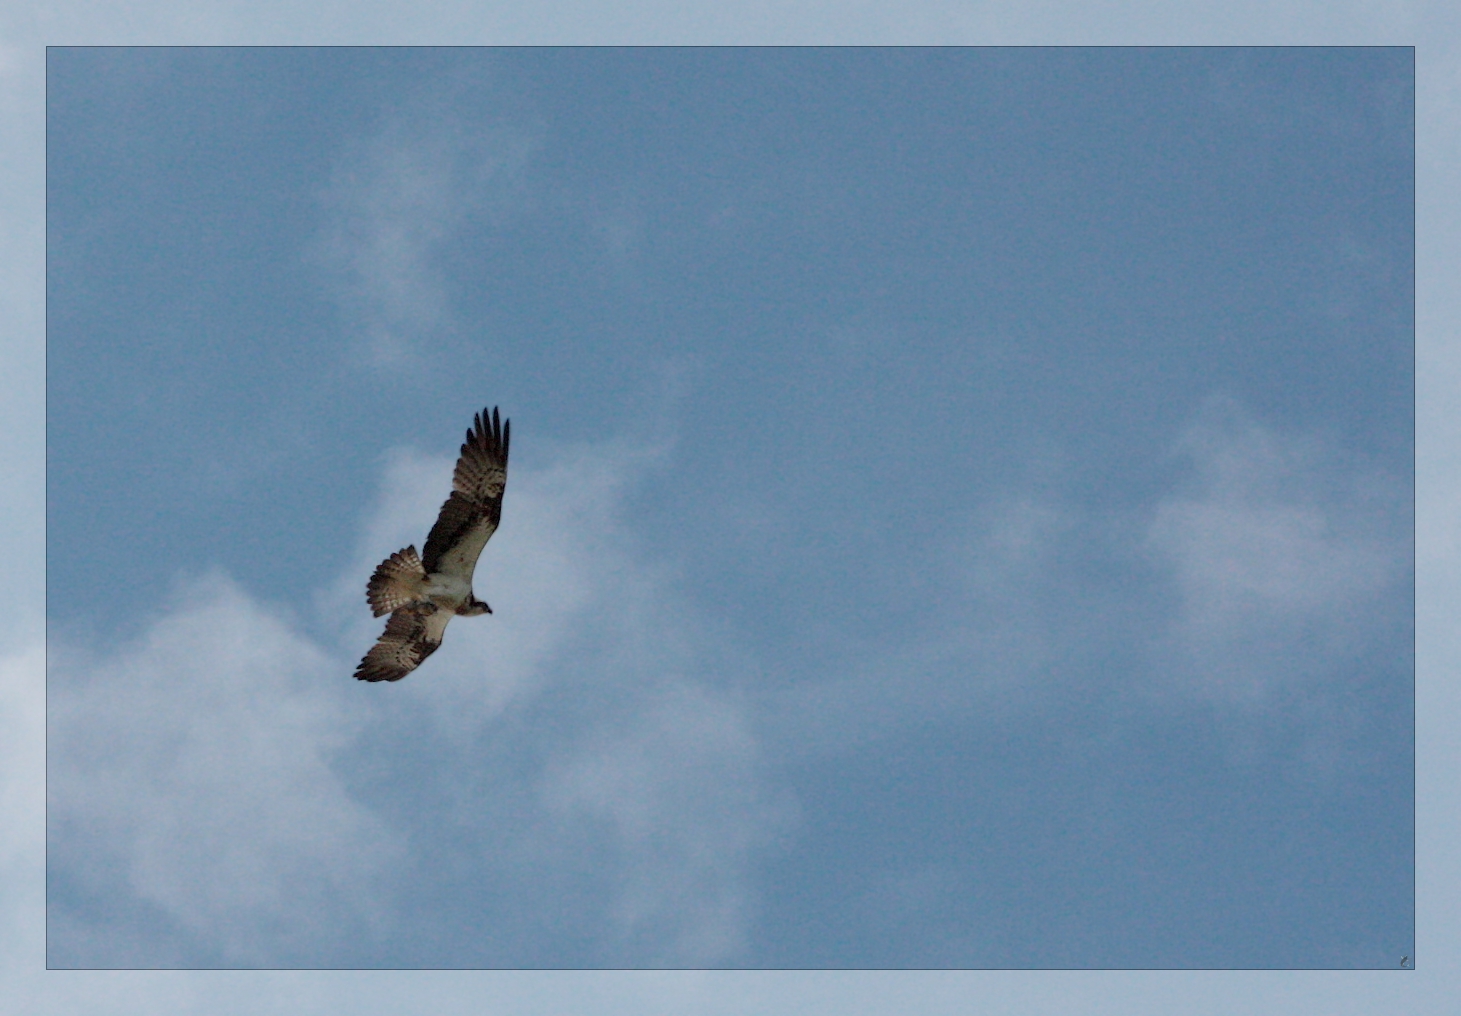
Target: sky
(960,515)
(1087,675)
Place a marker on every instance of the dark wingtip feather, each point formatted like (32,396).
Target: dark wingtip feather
(489,430)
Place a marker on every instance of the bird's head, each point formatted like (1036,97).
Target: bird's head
(474,608)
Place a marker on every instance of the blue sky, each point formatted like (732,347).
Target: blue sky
(720,663)
(960,514)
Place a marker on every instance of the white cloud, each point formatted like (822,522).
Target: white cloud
(206,779)
(683,888)
(1270,566)
(1280,552)
(194,767)
(397,197)
(998,630)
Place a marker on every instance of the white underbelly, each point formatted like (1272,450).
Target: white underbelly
(446,591)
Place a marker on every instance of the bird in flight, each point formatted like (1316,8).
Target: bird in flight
(423,592)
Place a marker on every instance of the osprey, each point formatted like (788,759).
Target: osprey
(422,593)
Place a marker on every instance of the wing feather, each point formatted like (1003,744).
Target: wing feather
(396,582)
(411,635)
(470,515)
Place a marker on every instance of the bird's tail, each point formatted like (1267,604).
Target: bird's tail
(397,582)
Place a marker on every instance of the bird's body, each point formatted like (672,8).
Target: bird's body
(422,593)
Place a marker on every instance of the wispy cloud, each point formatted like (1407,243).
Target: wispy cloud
(1280,551)
(397,197)
(1268,568)
(681,790)
(985,641)
(193,772)
(223,792)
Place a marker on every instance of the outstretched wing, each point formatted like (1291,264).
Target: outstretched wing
(411,635)
(470,516)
